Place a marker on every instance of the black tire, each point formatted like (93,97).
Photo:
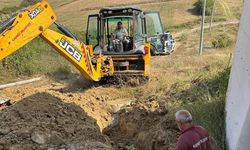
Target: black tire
(152,50)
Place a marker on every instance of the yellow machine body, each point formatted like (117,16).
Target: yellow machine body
(34,22)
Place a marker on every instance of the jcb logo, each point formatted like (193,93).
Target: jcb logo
(35,13)
(70,49)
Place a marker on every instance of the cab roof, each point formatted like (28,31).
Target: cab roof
(119,11)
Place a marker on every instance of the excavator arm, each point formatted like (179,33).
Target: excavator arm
(35,21)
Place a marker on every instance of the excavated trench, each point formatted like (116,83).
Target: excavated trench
(145,126)
(51,116)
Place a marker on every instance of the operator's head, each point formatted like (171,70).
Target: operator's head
(183,119)
(119,25)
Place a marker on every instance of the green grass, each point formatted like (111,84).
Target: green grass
(175,15)
(209,6)
(13,8)
(35,58)
(130,147)
(222,41)
(58,3)
(9,3)
(205,99)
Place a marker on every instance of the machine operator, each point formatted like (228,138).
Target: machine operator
(119,38)
(120,32)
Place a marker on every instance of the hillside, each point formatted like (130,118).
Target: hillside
(130,115)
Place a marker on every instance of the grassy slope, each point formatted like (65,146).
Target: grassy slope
(173,13)
(73,13)
(8,3)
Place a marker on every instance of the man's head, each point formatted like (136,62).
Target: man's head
(183,119)
(119,25)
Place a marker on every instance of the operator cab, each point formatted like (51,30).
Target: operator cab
(137,28)
(122,33)
(106,35)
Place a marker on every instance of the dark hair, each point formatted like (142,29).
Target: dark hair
(119,23)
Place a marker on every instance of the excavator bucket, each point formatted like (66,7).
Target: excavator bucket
(133,64)
(25,26)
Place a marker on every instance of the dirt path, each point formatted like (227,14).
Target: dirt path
(207,25)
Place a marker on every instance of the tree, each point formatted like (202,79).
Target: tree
(209,6)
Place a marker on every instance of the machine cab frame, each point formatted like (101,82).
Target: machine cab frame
(100,35)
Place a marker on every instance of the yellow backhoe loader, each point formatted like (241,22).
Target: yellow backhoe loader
(36,20)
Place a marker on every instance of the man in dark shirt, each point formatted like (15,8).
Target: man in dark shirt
(192,137)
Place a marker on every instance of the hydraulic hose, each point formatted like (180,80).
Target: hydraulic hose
(7,23)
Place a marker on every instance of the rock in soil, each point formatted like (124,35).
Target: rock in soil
(38,137)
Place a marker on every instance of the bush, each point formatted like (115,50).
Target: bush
(222,41)
(209,6)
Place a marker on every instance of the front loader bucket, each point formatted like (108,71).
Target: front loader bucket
(132,64)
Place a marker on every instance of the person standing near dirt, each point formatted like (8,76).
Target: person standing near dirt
(193,137)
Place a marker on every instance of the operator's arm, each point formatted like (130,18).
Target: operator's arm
(125,32)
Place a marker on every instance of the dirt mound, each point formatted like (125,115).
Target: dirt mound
(72,117)
(42,121)
(146,126)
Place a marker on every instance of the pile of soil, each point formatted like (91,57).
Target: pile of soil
(52,115)
(42,121)
(146,126)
